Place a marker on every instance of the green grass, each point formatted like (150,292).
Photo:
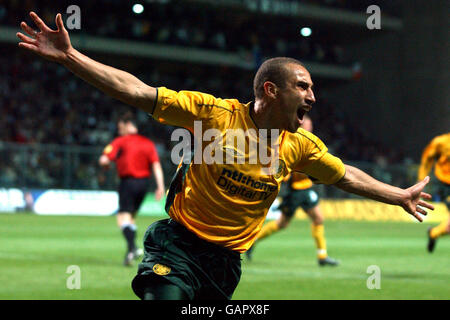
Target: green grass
(35,252)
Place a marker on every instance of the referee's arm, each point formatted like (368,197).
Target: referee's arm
(159,177)
(55,45)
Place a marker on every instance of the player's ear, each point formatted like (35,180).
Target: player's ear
(270,89)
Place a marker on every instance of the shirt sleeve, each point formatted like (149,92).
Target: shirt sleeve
(314,160)
(328,169)
(182,108)
(153,153)
(112,149)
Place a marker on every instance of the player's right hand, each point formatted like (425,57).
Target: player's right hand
(51,44)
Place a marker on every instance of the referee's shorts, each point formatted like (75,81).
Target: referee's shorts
(131,193)
(203,270)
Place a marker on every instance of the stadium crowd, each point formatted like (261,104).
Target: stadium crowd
(74,114)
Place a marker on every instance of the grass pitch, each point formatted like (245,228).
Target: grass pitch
(36,252)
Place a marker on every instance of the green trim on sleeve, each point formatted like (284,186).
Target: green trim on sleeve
(156,102)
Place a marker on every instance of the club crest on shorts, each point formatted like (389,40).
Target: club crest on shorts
(161,270)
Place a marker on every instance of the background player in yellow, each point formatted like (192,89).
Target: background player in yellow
(196,253)
(437,153)
(299,194)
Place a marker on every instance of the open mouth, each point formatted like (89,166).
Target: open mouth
(300,113)
(302,110)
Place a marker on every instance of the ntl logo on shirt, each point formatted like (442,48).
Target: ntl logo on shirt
(260,190)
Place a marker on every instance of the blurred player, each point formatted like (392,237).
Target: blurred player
(437,153)
(300,194)
(135,157)
(218,209)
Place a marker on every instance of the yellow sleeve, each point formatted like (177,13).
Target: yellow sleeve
(428,158)
(328,169)
(315,161)
(300,181)
(182,108)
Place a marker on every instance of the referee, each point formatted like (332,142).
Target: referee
(135,157)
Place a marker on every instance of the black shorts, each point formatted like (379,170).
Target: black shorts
(203,270)
(443,190)
(131,193)
(306,199)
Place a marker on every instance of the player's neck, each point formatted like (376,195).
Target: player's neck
(261,115)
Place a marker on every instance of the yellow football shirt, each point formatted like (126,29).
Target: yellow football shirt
(225,202)
(298,181)
(437,153)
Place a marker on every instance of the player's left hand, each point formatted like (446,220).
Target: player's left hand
(413,203)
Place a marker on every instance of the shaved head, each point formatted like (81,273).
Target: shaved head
(274,70)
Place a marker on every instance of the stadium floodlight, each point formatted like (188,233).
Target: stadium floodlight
(306,32)
(138,8)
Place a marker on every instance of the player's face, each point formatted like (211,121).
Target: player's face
(296,98)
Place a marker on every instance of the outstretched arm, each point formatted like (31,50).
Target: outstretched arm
(55,45)
(357,182)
